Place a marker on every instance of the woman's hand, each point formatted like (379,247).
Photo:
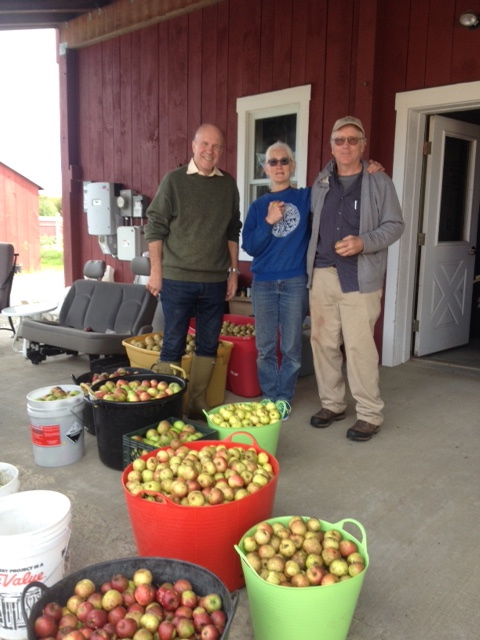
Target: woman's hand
(276,211)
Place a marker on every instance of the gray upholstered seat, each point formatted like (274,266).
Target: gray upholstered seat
(95,318)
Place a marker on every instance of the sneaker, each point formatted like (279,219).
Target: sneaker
(284,408)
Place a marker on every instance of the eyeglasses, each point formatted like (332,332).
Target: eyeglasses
(352,141)
(274,161)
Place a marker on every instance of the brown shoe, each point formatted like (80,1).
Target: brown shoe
(362,431)
(325,417)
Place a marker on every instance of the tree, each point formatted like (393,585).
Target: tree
(49,206)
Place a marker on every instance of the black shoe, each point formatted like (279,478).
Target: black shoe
(362,431)
(325,417)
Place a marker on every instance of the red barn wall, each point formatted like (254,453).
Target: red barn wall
(19,217)
(130,105)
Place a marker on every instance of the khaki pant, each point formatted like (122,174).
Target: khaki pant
(349,319)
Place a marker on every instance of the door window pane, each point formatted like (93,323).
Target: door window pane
(454,190)
(271,130)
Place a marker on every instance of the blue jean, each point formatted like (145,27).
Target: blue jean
(280,307)
(205,301)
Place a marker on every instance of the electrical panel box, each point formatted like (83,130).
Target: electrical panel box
(131,204)
(131,242)
(100,205)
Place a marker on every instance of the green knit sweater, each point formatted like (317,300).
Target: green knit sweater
(195,216)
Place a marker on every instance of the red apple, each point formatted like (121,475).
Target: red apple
(144,593)
(106,586)
(189,598)
(53,609)
(116,614)
(96,619)
(201,619)
(82,610)
(210,632)
(166,631)
(68,620)
(45,626)
(96,599)
(120,582)
(126,628)
(76,634)
(170,600)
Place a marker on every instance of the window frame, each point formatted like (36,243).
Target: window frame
(295,100)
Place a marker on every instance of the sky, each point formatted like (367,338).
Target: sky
(29,107)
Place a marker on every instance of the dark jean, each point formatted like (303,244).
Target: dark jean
(204,301)
(279,306)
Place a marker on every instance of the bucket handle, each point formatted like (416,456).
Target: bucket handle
(341,525)
(37,585)
(181,372)
(241,433)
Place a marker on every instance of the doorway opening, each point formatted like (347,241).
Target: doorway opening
(448,263)
(413,109)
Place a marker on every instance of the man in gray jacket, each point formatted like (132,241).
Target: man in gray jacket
(356,216)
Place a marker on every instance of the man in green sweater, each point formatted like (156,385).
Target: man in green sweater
(193,233)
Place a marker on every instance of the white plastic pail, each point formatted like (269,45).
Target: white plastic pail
(56,427)
(9,479)
(34,536)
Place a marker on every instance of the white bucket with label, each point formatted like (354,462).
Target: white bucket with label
(56,427)
(34,536)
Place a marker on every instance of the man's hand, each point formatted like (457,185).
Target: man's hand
(349,246)
(232,286)
(374,166)
(154,284)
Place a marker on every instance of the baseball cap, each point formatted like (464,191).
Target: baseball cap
(343,122)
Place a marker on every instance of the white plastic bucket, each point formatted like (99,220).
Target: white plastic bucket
(56,427)
(34,536)
(9,480)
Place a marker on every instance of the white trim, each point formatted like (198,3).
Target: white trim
(292,100)
(412,108)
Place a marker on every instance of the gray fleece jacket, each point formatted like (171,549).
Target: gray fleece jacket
(381,224)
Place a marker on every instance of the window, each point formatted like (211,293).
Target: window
(262,120)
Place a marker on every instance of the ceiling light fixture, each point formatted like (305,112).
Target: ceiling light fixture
(470,20)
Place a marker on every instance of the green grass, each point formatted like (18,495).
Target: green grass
(51,259)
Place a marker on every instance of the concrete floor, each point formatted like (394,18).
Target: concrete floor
(414,487)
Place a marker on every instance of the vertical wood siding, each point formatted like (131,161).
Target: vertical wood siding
(141,96)
(19,223)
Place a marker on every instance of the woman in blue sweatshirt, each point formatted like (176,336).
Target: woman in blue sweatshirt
(276,235)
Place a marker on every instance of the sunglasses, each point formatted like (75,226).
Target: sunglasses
(352,141)
(274,161)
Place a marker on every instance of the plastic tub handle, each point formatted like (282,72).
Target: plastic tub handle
(341,523)
(181,372)
(242,433)
(32,585)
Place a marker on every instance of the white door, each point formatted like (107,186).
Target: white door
(447,259)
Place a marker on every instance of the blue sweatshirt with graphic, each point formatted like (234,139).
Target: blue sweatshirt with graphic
(279,251)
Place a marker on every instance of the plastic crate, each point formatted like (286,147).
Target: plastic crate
(133,449)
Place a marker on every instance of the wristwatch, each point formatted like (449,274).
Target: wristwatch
(233,270)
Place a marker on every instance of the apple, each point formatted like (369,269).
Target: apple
(185,628)
(170,599)
(75,634)
(211,602)
(83,608)
(209,632)
(111,599)
(96,619)
(188,598)
(96,599)
(315,574)
(143,634)
(150,621)
(144,593)
(53,609)
(354,568)
(347,547)
(45,626)
(142,576)
(166,631)
(73,602)
(339,567)
(68,620)
(219,619)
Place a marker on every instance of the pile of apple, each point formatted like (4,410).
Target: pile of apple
(121,390)
(301,554)
(166,433)
(135,609)
(105,375)
(245,414)
(240,330)
(57,393)
(212,475)
(154,342)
